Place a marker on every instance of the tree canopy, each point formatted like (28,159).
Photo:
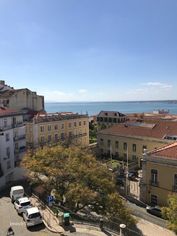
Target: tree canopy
(78,179)
(170,212)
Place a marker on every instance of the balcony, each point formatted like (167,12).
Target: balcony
(174,188)
(19,137)
(19,124)
(1,171)
(154,183)
(22,149)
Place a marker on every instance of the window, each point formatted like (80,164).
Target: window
(62,136)
(56,127)
(175,182)
(116,144)
(84,122)
(134,147)
(75,124)
(125,156)
(69,125)
(42,139)
(134,157)
(144,148)
(49,127)
(109,143)
(110,119)
(154,175)
(70,134)
(8,152)
(49,138)
(153,200)
(42,128)
(79,123)
(7,137)
(105,119)
(125,146)
(62,126)
(5,123)
(106,114)
(56,137)
(8,164)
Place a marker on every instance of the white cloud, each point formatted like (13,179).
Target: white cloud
(158,84)
(82,91)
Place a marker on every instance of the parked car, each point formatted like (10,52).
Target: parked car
(32,216)
(154,210)
(16,192)
(21,204)
(132,175)
(120,180)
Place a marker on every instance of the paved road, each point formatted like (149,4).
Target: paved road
(9,216)
(141,213)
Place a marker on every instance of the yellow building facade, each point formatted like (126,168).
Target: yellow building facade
(58,127)
(159,175)
(132,140)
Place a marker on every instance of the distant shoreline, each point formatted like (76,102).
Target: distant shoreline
(153,101)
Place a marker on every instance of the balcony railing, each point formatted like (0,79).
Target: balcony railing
(19,137)
(154,183)
(174,188)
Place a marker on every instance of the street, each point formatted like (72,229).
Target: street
(9,216)
(140,212)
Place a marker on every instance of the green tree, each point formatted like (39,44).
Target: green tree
(170,212)
(78,179)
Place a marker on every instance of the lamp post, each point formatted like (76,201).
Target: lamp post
(126,180)
(122,227)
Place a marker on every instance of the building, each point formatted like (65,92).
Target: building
(12,144)
(109,118)
(132,138)
(20,98)
(48,128)
(159,175)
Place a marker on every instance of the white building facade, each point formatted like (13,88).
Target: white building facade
(12,145)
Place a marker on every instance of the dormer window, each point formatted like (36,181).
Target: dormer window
(106,113)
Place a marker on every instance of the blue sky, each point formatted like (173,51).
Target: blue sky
(90,50)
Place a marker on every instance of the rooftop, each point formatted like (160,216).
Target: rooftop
(8,112)
(48,117)
(169,151)
(159,130)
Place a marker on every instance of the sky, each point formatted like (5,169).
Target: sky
(90,50)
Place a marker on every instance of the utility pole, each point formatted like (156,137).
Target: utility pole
(126,180)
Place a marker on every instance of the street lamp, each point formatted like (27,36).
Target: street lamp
(126,180)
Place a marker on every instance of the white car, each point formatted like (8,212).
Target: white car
(16,192)
(32,216)
(21,204)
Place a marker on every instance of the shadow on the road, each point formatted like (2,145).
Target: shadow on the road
(133,231)
(36,228)
(69,228)
(106,232)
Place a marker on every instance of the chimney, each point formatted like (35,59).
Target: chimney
(2,82)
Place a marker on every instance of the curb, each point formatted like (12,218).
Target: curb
(52,230)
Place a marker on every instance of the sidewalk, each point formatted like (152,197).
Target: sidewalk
(52,223)
(150,229)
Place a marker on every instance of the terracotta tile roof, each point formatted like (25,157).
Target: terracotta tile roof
(6,111)
(169,151)
(158,130)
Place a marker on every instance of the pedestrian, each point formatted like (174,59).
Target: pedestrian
(10,231)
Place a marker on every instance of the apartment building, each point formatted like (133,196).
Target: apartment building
(20,98)
(109,118)
(48,128)
(133,138)
(159,177)
(12,144)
